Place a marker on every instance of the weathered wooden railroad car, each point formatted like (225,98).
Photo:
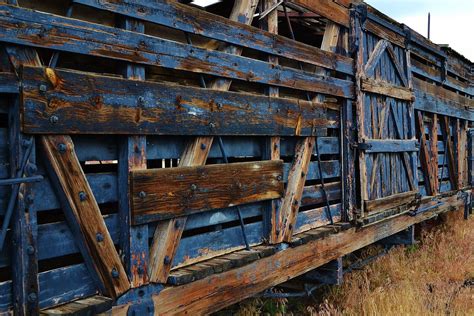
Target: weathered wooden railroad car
(158,158)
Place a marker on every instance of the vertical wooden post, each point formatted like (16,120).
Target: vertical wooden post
(272,144)
(357,40)
(132,156)
(449,150)
(23,224)
(168,233)
(434,151)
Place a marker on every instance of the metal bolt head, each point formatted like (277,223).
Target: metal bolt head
(142,194)
(53,119)
(219,105)
(82,196)
(167,260)
(30,250)
(62,147)
(43,88)
(193,187)
(279,178)
(114,273)
(141,100)
(31,168)
(212,125)
(32,297)
(177,224)
(29,199)
(203,146)
(99,237)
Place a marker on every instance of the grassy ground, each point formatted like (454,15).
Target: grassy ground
(434,277)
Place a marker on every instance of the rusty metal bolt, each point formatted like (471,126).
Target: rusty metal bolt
(142,194)
(53,119)
(114,273)
(167,260)
(99,237)
(62,147)
(82,196)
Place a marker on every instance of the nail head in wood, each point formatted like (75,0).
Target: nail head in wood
(53,119)
(114,273)
(142,194)
(82,196)
(62,148)
(99,237)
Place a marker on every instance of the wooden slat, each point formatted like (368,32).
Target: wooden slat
(442,93)
(375,57)
(168,233)
(392,201)
(272,145)
(386,89)
(81,37)
(434,151)
(226,288)
(425,156)
(398,67)
(133,107)
(159,194)
(294,190)
(449,149)
(389,145)
(200,22)
(326,8)
(83,214)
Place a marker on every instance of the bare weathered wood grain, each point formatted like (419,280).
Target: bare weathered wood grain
(159,194)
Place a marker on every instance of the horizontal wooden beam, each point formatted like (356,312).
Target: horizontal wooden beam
(200,22)
(56,101)
(71,35)
(433,103)
(220,290)
(388,145)
(386,89)
(159,194)
(328,9)
(389,202)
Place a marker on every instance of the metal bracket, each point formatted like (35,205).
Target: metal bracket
(364,146)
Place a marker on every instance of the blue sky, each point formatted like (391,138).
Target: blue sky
(452,21)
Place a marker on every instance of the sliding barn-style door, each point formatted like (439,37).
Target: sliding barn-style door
(385,122)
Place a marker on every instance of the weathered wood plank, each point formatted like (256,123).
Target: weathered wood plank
(9,83)
(375,57)
(425,156)
(132,107)
(388,145)
(328,9)
(200,22)
(159,194)
(132,156)
(294,189)
(83,214)
(81,37)
(449,149)
(386,89)
(389,202)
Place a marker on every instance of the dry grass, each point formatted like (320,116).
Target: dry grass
(426,279)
